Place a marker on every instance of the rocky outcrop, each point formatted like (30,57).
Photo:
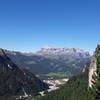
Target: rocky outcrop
(97,51)
(92,70)
(52,51)
(93,65)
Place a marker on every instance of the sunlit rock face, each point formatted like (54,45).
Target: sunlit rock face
(92,70)
(52,51)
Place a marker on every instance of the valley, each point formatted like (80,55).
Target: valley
(49,49)
(60,75)
(69,61)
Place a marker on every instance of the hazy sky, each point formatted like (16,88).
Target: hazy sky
(27,25)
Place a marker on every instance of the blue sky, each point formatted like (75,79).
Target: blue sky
(27,25)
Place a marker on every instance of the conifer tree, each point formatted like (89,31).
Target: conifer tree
(97,79)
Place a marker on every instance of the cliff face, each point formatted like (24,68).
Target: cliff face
(93,65)
(52,51)
(92,70)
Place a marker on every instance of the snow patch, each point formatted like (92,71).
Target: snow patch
(9,66)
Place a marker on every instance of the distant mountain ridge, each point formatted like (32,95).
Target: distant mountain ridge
(52,51)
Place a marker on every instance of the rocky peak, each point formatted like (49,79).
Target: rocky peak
(97,50)
(2,52)
(52,51)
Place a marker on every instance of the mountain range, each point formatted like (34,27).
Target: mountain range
(51,60)
(52,51)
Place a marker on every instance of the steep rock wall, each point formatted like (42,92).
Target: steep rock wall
(92,70)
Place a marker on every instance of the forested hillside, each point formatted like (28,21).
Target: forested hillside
(75,89)
(15,82)
(94,92)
